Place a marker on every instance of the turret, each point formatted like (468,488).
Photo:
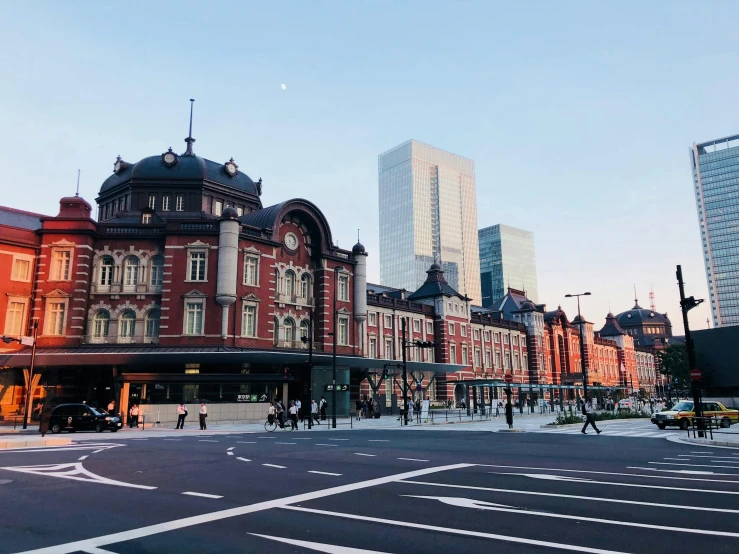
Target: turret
(359,254)
(228,252)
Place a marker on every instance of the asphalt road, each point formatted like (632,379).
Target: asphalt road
(373,491)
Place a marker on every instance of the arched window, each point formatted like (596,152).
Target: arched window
(288,332)
(290,283)
(305,286)
(304,332)
(100,326)
(126,326)
(130,271)
(106,271)
(157,267)
(151,324)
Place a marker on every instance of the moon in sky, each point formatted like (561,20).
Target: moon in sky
(283,86)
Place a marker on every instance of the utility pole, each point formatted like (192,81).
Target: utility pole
(333,361)
(309,340)
(30,375)
(405,376)
(687,304)
(582,343)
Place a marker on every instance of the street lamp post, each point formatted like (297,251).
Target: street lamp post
(405,345)
(687,304)
(309,340)
(29,389)
(333,357)
(582,343)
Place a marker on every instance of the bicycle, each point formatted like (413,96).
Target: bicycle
(270,426)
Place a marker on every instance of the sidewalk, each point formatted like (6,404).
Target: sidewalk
(720,438)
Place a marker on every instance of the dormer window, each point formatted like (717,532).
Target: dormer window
(146,219)
(153,201)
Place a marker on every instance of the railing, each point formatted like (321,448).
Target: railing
(117,288)
(144,230)
(295,299)
(113,339)
(196,226)
(300,345)
(707,424)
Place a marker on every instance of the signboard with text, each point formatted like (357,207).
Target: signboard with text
(339,388)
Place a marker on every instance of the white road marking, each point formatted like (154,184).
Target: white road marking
(325,473)
(693,465)
(74,471)
(614,473)
(265,437)
(421,526)
(302,438)
(319,444)
(683,506)
(690,472)
(58,448)
(321,547)
(133,534)
(230,453)
(412,460)
(338,439)
(82,458)
(378,440)
(286,443)
(204,495)
(615,484)
(97,551)
(172,439)
(699,452)
(273,465)
(482,505)
(685,457)
(677,459)
(230,448)
(361,454)
(206,440)
(243,459)
(139,439)
(246,442)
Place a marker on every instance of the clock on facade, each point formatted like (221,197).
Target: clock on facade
(231,167)
(291,241)
(169,158)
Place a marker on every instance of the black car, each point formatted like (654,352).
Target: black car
(81,417)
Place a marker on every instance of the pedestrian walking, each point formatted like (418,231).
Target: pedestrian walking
(322,407)
(181,415)
(203,416)
(589,419)
(409,409)
(293,415)
(358,410)
(509,414)
(133,420)
(111,407)
(299,406)
(45,417)
(365,407)
(314,411)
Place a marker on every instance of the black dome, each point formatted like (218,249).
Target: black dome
(358,249)
(527,307)
(230,213)
(187,168)
(638,315)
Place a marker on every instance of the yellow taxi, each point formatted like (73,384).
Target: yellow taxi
(682,413)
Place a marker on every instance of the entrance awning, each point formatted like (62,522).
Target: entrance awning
(147,355)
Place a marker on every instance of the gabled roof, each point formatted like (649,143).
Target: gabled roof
(435,285)
(611,328)
(513,302)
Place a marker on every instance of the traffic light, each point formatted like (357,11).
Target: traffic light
(690,302)
(285,374)
(425,343)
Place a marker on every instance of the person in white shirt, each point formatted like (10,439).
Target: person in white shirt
(181,415)
(299,405)
(589,419)
(203,415)
(293,411)
(314,411)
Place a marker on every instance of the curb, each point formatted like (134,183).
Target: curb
(511,431)
(604,422)
(30,443)
(709,442)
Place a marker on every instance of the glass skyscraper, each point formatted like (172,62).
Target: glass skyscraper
(715,167)
(428,213)
(507,259)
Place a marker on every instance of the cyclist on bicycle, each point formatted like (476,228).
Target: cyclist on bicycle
(271,414)
(280,414)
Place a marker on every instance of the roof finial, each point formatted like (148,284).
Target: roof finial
(78,183)
(358,236)
(189,140)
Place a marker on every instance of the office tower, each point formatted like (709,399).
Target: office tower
(428,214)
(507,259)
(715,167)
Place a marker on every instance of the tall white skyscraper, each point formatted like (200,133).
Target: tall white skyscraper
(428,213)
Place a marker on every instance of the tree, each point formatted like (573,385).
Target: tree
(674,363)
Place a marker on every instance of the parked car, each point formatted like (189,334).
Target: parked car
(682,413)
(624,404)
(81,417)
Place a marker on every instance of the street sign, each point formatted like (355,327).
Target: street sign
(339,388)
(27,341)
(508,378)
(695,374)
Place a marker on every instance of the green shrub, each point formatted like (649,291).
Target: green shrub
(621,414)
(565,419)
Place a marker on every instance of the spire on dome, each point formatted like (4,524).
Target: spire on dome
(189,140)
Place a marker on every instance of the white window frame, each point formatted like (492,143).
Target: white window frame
(48,329)
(126,335)
(153,201)
(453,353)
(478,358)
(388,323)
(465,355)
(145,219)
(152,322)
(217,207)
(156,272)
(14,274)
(463,330)
(165,203)
(373,347)
(372,319)
(429,327)
(130,276)
(487,336)
(388,349)
(100,327)
(343,286)
(416,325)
(451,328)
(251,279)
(246,309)
(477,334)
(498,359)
(102,271)
(56,273)
(186,314)
(506,339)
(190,260)
(497,338)
(10,331)
(180,203)
(488,358)
(343,337)
(306,281)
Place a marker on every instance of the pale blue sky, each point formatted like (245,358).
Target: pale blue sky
(579,115)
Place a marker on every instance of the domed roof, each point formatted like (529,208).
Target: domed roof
(638,316)
(358,248)
(579,319)
(434,267)
(230,213)
(186,168)
(527,307)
